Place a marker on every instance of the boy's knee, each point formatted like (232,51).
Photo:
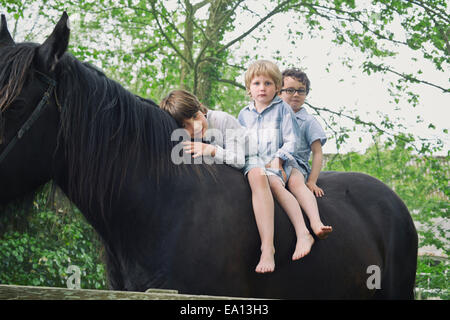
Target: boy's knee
(296,180)
(257,172)
(275,184)
(257,175)
(293,184)
(257,178)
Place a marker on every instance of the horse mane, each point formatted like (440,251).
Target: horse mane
(105,130)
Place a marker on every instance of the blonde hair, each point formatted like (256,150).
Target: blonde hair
(182,105)
(263,68)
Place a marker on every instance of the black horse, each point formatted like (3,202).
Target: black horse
(185,227)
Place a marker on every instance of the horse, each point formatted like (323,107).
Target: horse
(188,227)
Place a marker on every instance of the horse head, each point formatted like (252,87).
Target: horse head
(29,113)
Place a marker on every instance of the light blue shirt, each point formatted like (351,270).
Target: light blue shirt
(274,130)
(310,131)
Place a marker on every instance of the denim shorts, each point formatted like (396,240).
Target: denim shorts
(255,162)
(288,166)
(251,163)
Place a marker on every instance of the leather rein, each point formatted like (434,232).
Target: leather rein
(34,115)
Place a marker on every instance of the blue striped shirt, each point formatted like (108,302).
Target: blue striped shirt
(275,130)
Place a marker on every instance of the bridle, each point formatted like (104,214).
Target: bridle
(34,115)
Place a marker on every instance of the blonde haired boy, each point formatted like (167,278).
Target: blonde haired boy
(273,122)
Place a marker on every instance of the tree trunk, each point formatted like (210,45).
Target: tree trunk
(207,71)
(186,70)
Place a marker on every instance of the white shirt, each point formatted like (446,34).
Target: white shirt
(229,138)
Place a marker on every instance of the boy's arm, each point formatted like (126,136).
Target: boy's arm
(233,151)
(316,166)
(232,155)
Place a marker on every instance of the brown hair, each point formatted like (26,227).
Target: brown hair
(263,68)
(299,75)
(181,105)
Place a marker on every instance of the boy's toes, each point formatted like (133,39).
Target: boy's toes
(265,268)
(266,263)
(324,232)
(303,247)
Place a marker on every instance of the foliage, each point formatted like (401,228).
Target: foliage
(432,279)
(41,252)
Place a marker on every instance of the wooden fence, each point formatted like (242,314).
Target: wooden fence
(13,292)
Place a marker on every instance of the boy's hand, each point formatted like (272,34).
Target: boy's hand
(318,192)
(199,148)
(277,164)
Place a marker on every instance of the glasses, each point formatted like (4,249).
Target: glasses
(291,91)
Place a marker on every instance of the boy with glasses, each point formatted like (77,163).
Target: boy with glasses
(295,87)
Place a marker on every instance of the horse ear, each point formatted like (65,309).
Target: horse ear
(56,44)
(5,37)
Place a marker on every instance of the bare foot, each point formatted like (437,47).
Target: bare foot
(303,246)
(266,262)
(322,231)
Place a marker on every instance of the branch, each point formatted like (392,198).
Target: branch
(173,27)
(148,49)
(155,15)
(232,82)
(194,23)
(152,12)
(434,13)
(277,9)
(214,59)
(357,120)
(228,14)
(199,5)
(438,26)
(340,114)
(413,79)
(352,18)
(215,28)
(405,76)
